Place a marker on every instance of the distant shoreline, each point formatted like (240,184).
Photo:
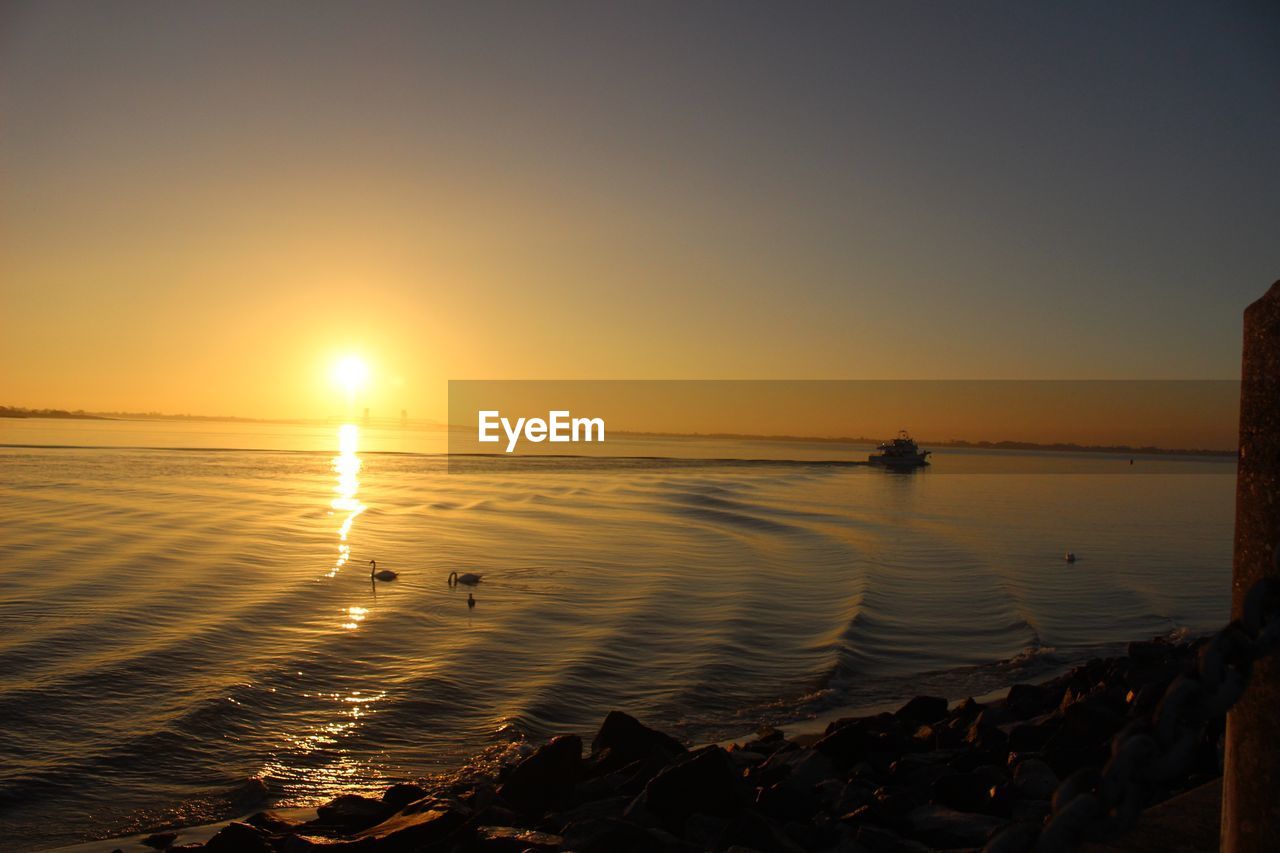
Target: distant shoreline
(16,412)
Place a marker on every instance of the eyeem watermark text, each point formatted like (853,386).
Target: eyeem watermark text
(559,426)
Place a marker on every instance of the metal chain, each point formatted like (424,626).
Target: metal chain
(1156,749)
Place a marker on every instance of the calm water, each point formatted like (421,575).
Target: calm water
(180,620)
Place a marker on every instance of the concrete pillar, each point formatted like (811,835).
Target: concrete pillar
(1251,779)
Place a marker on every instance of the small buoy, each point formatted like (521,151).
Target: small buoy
(1071,557)
(471,601)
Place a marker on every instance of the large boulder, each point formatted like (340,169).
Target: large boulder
(1035,780)
(545,779)
(401,794)
(413,829)
(272,823)
(878,739)
(923,709)
(238,838)
(1029,700)
(1083,740)
(350,813)
(941,827)
(613,835)
(752,831)
(704,782)
(622,740)
(967,792)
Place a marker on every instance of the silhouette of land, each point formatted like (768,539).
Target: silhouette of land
(1057,447)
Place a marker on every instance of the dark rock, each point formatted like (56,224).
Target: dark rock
(513,839)
(893,805)
(986,737)
(1028,700)
(1002,797)
(786,801)
(400,795)
(866,813)
(993,715)
(628,781)
(161,840)
(495,815)
(1035,780)
(350,813)
(1083,739)
(1031,737)
(272,823)
(801,767)
(861,740)
(942,827)
(923,709)
(704,831)
(852,795)
(1150,651)
(964,712)
(704,781)
(319,844)
(238,838)
(919,768)
(828,792)
(816,834)
(626,739)
(882,840)
(611,835)
(756,832)
(967,792)
(607,807)
(969,760)
(766,741)
(411,830)
(1029,810)
(745,760)
(545,779)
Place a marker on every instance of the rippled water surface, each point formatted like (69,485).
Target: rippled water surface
(178,621)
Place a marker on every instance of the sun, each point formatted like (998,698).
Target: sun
(351,373)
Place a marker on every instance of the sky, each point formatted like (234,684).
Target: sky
(204,206)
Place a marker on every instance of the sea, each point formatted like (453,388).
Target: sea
(190,630)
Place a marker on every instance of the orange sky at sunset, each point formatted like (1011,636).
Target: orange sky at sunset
(206,207)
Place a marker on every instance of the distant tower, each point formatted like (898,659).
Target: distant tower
(366,417)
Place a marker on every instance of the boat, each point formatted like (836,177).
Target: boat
(901,452)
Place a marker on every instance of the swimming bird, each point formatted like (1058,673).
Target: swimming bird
(384,575)
(471,601)
(1071,556)
(468,579)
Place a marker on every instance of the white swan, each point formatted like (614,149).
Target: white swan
(384,575)
(468,579)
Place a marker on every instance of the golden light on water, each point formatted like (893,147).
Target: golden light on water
(346,467)
(355,616)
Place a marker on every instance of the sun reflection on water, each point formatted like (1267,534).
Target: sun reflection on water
(314,760)
(314,766)
(355,617)
(346,465)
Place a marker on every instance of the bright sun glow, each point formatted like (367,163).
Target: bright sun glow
(351,373)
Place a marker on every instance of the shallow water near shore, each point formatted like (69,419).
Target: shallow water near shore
(182,619)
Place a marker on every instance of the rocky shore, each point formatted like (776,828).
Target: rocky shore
(930,776)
